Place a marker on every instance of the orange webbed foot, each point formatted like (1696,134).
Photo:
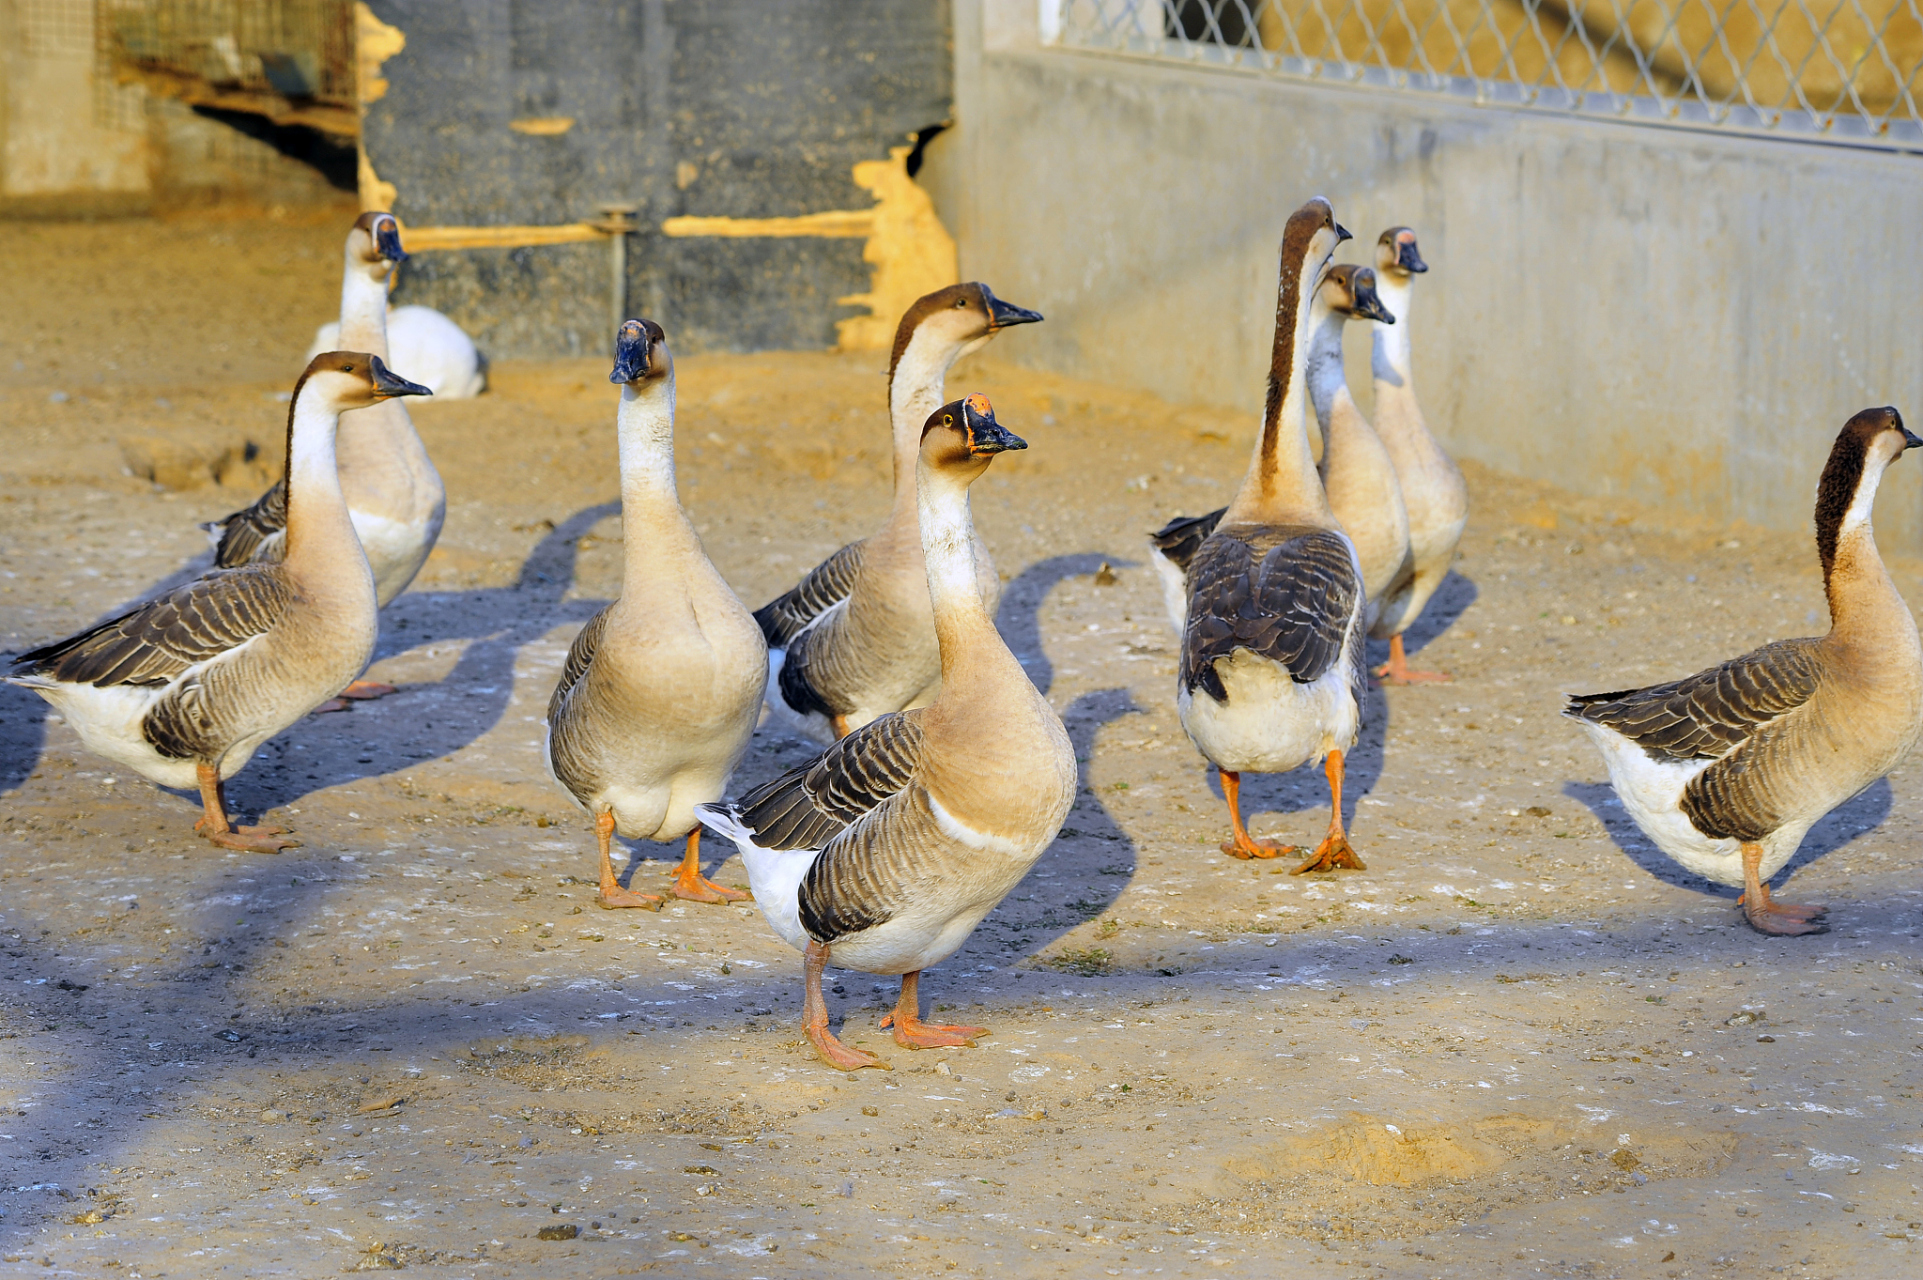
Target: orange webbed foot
(913,1033)
(332,704)
(367,690)
(840,1056)
(692,886)
(1389,673)
(1333,854)
(1786,919)
(614,898)
(1247,847)
(250,839)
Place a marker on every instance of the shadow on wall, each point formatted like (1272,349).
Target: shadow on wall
(1863,813)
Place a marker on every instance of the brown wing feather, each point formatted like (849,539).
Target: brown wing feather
(786,616)
(1709,714)
(807,807)
(254,533)
(1182,537)
(163,638)
(1289,595)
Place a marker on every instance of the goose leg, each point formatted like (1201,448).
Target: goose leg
(1244,845)
(692,886)
(814,1018)
(1785,919)
(213,824)
(912,1033)
(1396,669)
(612,895)
(1334,852)
(839,724)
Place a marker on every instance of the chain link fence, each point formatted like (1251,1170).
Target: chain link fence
(1830,70)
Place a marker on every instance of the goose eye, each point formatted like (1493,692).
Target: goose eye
(948,420)
(960,303)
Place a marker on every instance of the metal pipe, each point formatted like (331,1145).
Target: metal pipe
(617,222)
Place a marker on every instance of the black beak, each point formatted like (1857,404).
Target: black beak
(631,353)
(1368,303)
(387,240)
(388,384)
(985,435)
(1342,233)
(1408,259)
(1909,438)
(1003,314)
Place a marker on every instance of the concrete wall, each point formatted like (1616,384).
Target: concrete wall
(68,144)
(1677,317)
(504,112)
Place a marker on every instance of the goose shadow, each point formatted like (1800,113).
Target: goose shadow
(1019,617)
(437,719)
(1862,813)
(1451,600)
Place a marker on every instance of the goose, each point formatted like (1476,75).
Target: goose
(1726,770)
(886,851)
(185,688)
(1433,491)
(1356,472)
(855,638)
(1272,669)
(662,688)
(394,494)
(427,342)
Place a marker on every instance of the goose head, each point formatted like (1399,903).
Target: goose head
(374,244)
(641,354)
(1310,237)
(963,436)
(1396,254)
(1349,290)
(344,380)
(957,319)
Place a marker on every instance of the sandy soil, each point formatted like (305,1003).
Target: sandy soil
(1522,1043)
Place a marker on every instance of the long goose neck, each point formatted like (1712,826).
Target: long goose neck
(1389,354)
(363,311)
(1281,482)
(651,514)
(1863,599)
(963,628)
(319,530)
(1326,380)
(915,386)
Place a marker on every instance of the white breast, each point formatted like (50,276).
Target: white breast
(1651,792)
(1270,724)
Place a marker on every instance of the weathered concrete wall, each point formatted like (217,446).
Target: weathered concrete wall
(68,145)
(505,113)
(1680,318)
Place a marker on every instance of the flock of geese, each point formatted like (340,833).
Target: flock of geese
(947,773)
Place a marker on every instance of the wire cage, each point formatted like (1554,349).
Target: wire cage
(298,50)
(1831,70)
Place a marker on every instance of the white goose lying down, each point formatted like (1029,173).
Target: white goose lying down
(394,494)
(184,689)
(426,341)
(886,851)
(1728,769)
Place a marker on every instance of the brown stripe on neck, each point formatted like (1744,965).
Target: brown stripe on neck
(1303,225)
(939,300)
(293,403)
(1842,476)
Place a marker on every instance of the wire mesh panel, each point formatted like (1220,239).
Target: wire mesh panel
(297,49)
(1840,70)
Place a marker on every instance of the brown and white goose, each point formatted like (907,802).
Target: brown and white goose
(1433,491)
(185,688)
(1272,650)
(886,851)
(1356,471)
(1726,770)
(662,688)
(855,638)
(393,491)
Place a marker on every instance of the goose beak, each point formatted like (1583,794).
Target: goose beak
(1003,314)
(387,241)
(1342,233)
(1909,437)
(1368,303)
(987,437)
(631,354)
(388,384)
(1408,258)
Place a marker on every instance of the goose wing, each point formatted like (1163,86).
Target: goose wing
(787,616)
(164,638)
(809,806)
(580,656)
(1182,537)
(1709,714)
(1289,595)
(254,533)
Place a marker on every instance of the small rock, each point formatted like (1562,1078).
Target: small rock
(271,1116)
(1105,576)
(566,1231)
(871,1111)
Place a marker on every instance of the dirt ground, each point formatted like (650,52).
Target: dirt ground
(1521,1043)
